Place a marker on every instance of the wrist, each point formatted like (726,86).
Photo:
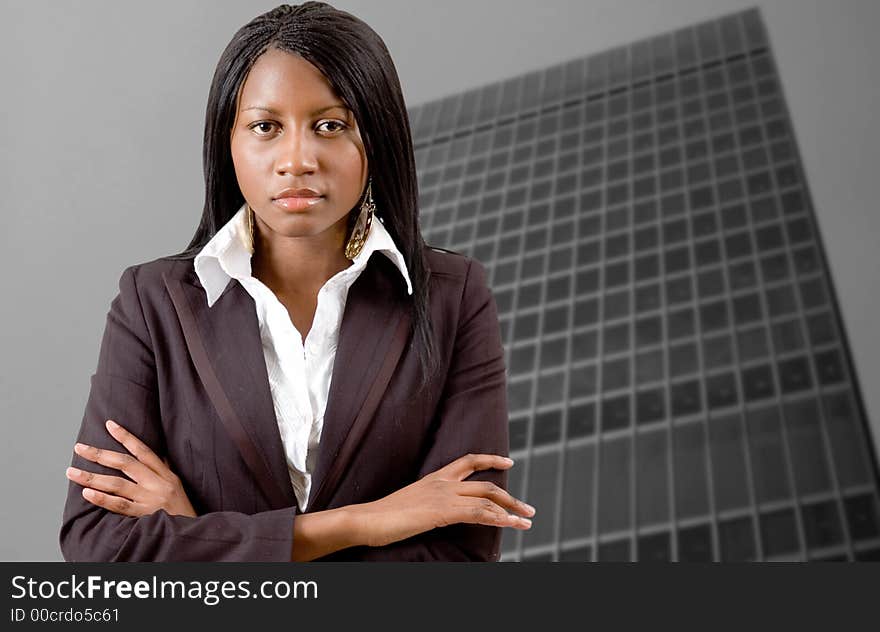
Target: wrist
(320,533)
(357,524)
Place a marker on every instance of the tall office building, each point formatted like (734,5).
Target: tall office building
(679,382)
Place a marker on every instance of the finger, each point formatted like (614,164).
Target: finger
(112,484)
(466,465)
(497,495)
(112,503)
(140,450)
(115,460)
(484,511)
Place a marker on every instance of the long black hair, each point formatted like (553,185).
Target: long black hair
(358,65)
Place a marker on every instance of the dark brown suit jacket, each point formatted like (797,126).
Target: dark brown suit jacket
(191,382)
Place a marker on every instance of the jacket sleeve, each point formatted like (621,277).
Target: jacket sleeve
(472,417)
(124,387)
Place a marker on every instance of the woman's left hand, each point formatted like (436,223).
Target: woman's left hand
(153,486)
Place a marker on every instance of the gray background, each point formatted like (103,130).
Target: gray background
(100,165)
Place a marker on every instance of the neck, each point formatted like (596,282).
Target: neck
(291,266)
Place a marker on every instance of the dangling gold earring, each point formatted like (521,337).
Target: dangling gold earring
(249,238)
(362,225)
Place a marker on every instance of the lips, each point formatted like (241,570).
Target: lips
(296,203)
(297,193)
(297,199)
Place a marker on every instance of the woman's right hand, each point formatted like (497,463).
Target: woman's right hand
(442,498)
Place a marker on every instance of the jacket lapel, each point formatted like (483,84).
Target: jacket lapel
(375,325)
(224,343)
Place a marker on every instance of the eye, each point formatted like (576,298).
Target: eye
(338,125)
(262,126)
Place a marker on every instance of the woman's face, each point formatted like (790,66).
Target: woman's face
(293,132)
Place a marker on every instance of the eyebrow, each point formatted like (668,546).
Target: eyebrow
(266,108)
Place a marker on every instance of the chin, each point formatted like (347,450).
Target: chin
(300,224)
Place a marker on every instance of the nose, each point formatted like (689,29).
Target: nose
(297,154)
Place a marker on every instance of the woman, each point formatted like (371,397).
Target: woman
(318,382)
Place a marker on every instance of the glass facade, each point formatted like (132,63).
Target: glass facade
(679,383)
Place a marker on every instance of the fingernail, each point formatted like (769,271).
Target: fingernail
(72,471)
(529,508)
(79,447)
(526,522)
(112,424)
(88,492)
(508,459)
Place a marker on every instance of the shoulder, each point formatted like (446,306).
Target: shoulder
(154,272)
(146,281)
(452,265)
(457,275)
